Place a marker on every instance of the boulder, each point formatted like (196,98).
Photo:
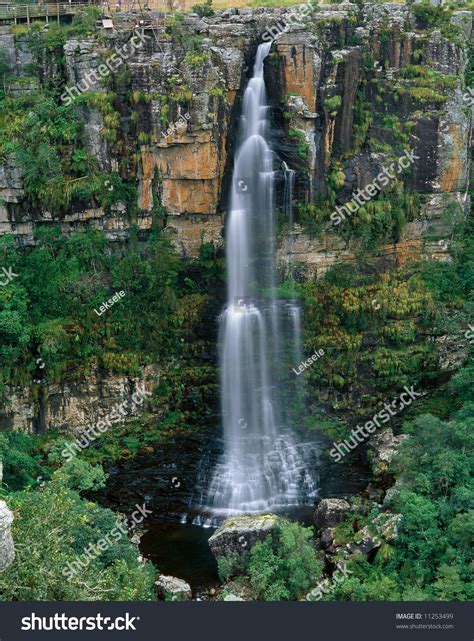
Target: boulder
(330,512)
(327,537)
(374,493)
(7,550)
(238,534)
(170,586)
(386,525)
(233,597)
(385,445)
(392,493)
(365,542)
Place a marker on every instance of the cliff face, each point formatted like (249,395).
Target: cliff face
(349,85)
(174,106)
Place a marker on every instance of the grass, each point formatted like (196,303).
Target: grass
(240,4)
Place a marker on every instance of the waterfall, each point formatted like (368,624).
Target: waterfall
(263,465)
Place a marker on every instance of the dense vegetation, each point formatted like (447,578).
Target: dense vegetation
(379,329)
(47,311)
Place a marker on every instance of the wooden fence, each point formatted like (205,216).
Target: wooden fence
(29,12)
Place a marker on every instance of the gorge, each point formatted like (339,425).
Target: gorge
(212,142)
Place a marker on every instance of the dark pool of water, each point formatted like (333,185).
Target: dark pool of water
(181,550)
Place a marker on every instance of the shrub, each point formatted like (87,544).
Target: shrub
(52,528)
(287,569)
(203,10)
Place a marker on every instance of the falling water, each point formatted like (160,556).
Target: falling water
(263,465)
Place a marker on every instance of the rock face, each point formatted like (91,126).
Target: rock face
(73,406)
(7,550)
(330,512)
(172,588)
(238,534)
(176,116)
(385,445)
(233,597)
(317,67)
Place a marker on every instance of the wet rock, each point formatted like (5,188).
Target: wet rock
(174,588)
(7,550)
(327,539)
(374,493)
(238,534)
(392,493)
(330,512)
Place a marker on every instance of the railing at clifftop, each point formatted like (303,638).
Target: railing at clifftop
(48,11)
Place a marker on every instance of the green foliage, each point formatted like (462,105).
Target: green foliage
(286,569)
(429,17)
(312,218)
(46,140)
(381,220)
(434,467)
(203,10)
(51,530)
(302,143)
(453,282)
(196,59)
(48,310)
(363,117)
(226,565)
(423,85)
(368,324)
(333,104)
(78,475)
(21,460)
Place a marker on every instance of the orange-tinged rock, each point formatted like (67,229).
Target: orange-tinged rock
(190,196)
(298,72)
(452,172)
(193,161)
(145,195)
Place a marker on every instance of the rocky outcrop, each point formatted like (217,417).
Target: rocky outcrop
(365,542)
(7,550)
(172,588)
(233,597)
(385,445)
(330,512)
(73,406)
(386,525)
(176,115)
(238,534)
